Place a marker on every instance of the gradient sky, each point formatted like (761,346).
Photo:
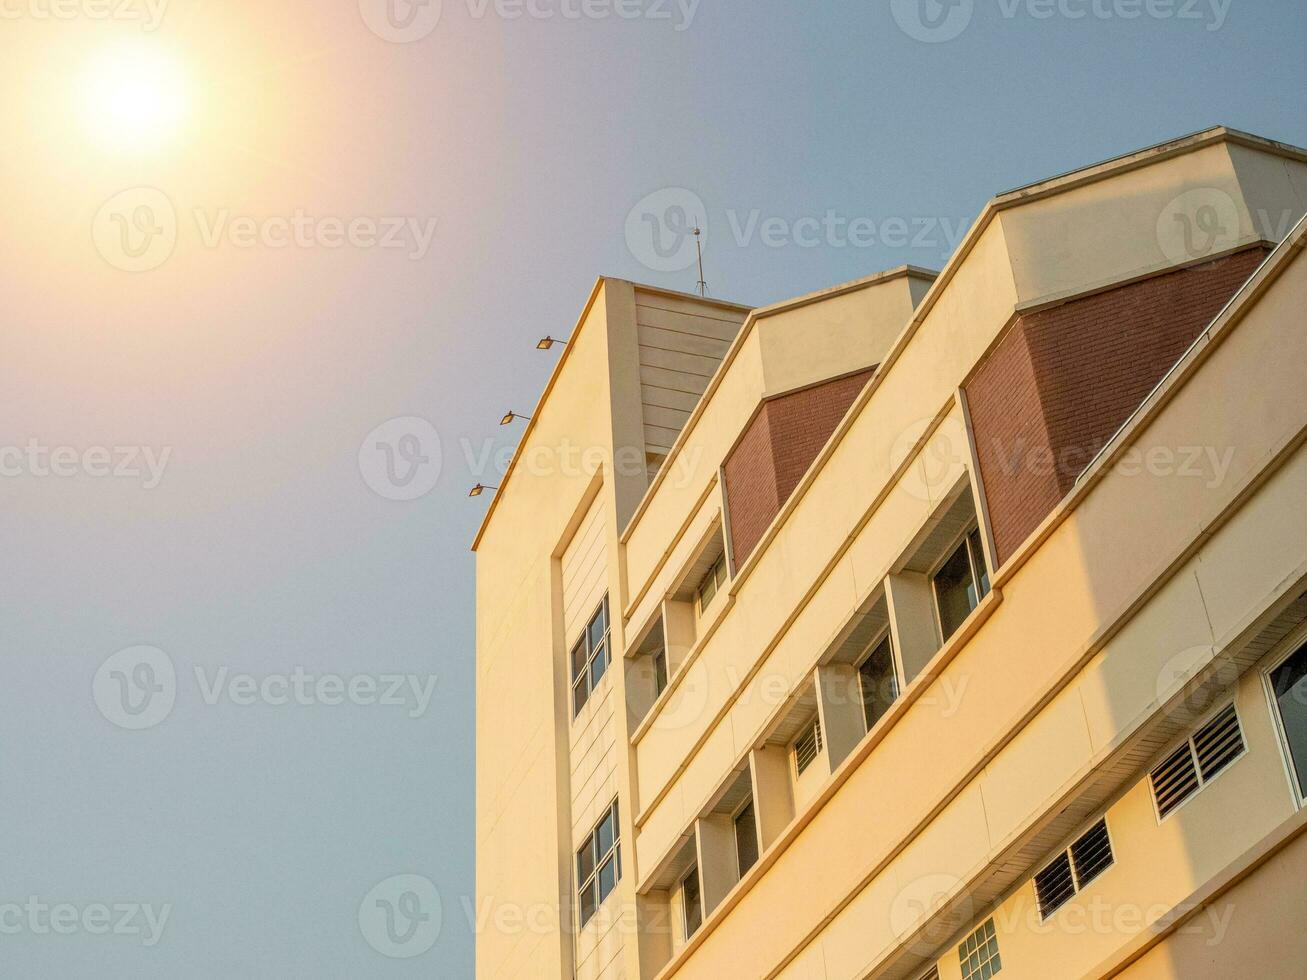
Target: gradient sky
(262,371)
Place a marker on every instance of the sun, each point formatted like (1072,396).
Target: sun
(134,98)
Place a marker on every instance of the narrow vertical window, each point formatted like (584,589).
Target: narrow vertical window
(879,683)
(590,658)
(961,582)
(598,865)
(691,902)
(746,839)
(1289,687)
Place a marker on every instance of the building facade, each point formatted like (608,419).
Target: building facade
(934,625)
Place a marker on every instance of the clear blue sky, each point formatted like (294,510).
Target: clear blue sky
(262,370)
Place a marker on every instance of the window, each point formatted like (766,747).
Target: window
(979,954)
(1207,753)
(691,903)
(879,683)
(660,672)
(806,746)
(961,582)
(746,839)
(712,582)
(590,658)
(1289,688)
(598,865)
(931,974)
(1073,869)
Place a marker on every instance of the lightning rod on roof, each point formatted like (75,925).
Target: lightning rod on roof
(698,247)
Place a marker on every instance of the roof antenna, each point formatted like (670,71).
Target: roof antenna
(698,247)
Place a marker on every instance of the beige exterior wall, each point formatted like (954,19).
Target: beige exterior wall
(1042,713)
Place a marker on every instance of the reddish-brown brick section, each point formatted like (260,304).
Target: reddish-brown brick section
(775,451)
(1063,380)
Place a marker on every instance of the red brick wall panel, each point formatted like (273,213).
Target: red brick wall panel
(776,450)
(1062,381)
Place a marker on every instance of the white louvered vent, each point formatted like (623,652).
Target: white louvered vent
(1218,743)
(1055,885)
(931,974)
(1175,780)
(1087,858)
(807,746)
(1208,752)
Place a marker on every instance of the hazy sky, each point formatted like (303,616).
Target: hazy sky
(297,228)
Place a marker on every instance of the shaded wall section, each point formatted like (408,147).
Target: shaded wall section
(1061,382)
(777,447)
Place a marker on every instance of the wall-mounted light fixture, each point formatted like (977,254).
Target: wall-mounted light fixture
(512,417)
(547,343)
(479,489)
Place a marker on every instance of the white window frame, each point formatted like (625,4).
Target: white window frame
(1228,699)
(883,635)
(586,675)
(1291,645)
(721,578)
(686,934)
(1076,886)
(735,833)
(614,852)
(964,539)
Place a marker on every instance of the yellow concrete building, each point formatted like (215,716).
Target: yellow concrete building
(934,625)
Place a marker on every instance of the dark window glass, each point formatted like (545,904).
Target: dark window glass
(978,561)
(693,907)
(608,878)
(588,902)
(580,694)
(955,591)
(578,659)
(1289,681)
(585,861)
(746,839)
(660,672)
(598,665)
(880,685)
(599,626)
(606,833)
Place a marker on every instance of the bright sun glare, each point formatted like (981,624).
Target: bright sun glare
(134,99)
